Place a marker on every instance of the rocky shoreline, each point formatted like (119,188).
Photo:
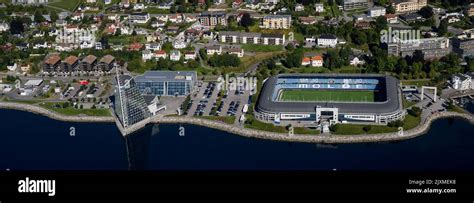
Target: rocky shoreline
(322,138)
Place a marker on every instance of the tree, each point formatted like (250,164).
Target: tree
(38,17)
(246,20)
(53,15)
(294,59)
(16,27)
(203,54)
(390,9)
(443,28)
(380,23)
(426,12)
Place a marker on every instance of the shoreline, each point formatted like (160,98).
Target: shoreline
(252,133)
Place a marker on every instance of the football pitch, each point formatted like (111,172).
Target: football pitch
(327,96)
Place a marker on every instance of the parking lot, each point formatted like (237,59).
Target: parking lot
(206,97)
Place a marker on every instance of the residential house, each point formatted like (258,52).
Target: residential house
(319,7)
(317,61)
(25,68)
(462,81)
(160,54)
(135,46)
(52,63)
(391,18)
(355,4)
(139,18)
(70,64)
(214,49)
(4,27)
(12,66)
(299,7)
(327,40)
(234,50)
(377,11)
(147,55)
(310,20)
(356,60)
(211,19)
(78,16)
(470,9)
(276,22)
(406,6)
(88,63)
(190,55)
(175,55)
(305,61)
(153,46)
(106,63)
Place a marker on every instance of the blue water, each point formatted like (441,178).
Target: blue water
(29,141)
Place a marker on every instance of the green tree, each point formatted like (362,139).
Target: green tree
(443,28)
(38,17)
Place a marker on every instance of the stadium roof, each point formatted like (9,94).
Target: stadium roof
(392,104)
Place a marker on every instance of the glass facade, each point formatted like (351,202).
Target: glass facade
(166,83)
(130,105)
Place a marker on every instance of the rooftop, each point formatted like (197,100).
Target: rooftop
(53,59)
(107,59)
(71,60)
(89,59)
(167,76)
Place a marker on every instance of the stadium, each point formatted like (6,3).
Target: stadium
(311,99)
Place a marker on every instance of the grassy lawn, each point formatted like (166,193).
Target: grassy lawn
(69,5)
(350,129)
(261,48)
(19,101)
(123,39)
(246,61)
(71,111)
(306,131)
(224,119)
(258,125)
(325,95)
(156,11)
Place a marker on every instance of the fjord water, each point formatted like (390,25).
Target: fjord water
(33,142)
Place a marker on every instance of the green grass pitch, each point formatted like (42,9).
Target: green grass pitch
(327,96)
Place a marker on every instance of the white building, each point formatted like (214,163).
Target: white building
(190,55)
(355,61)
(140,18)
(139,6)
(4,27)
(215,49)
(319,7)
(12,67)
(175,55)
(377,11)
(327,41)
(147,55)
(462,81)
(299,7)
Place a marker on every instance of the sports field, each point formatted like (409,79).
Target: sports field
(327,95)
